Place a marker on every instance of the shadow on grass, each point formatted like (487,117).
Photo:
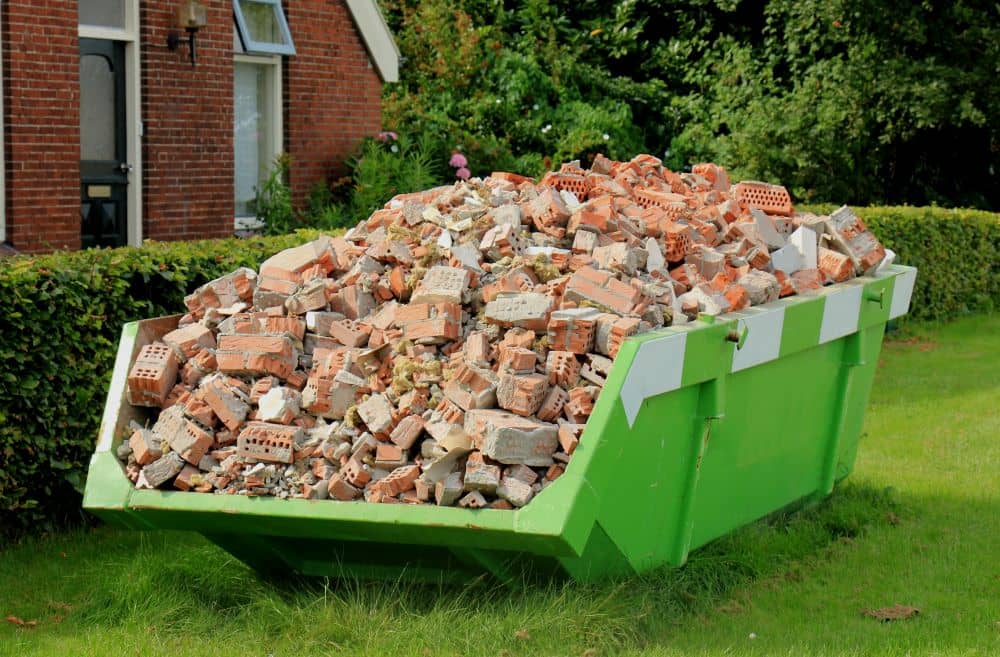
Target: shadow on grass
(180,585)
(180,582)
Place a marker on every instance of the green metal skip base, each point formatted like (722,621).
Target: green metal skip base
(693,436)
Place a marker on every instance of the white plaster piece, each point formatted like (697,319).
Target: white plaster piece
(805,240)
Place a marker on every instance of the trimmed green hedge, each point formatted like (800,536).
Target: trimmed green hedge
(63,316)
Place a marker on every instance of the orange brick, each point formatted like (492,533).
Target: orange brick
(573,330)
(518,360)
(563,368)
(772,199)
(145,446)
(227,405)
(350,332)
(602,289)
(522,394)
(354,473)
(341,489)
(430,322)
(152,375)
(399,480)
(569,436)
(580,405)
(612,331)
(548,212)
(837,266)
(806,280)
(264,441)
(407,431)
(678,242)
(256,355)
(189,340)
(198,366)
(553,404)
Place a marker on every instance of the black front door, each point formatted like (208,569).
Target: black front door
(103,167)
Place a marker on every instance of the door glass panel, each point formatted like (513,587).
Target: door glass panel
(103,13)
(252,138)
(97,108)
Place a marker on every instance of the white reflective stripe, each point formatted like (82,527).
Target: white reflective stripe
(902,290)
(763,341)
(841,312)
(656,369)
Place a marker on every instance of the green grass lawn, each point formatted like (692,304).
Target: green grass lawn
(918,523)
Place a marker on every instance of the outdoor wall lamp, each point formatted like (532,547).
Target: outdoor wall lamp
(191,17)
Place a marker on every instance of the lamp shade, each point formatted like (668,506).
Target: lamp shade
(191,15)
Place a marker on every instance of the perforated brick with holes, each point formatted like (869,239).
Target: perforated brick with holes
(451,348)
(264,441)
(773,199)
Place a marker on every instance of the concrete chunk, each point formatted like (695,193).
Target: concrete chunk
(511,439)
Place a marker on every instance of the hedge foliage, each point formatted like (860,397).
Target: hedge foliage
(64,313)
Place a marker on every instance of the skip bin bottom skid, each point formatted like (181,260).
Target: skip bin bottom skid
(693,436)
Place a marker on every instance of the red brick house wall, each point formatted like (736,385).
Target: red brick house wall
(41,70)
(332,93)
(188,124)
(331,97)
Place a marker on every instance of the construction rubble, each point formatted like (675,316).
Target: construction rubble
(450,349)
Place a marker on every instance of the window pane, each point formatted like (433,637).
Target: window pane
(97,108)
(103,13)
(261,21)
(252,133)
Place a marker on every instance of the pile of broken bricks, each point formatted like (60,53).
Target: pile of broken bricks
(450,349)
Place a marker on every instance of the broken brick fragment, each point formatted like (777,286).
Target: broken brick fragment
(772,199)
(189,340)
(264,441)
(527,310)
(563,368)
(517,360)
(152,375)
(256,355)
(573,329)
(602,290)
(522,393)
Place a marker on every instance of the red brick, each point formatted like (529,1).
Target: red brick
(772,199)
(152,375)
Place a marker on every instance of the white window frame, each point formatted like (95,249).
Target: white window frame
(263,47)
(277,134)
(133,110)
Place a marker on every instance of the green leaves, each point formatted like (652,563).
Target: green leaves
(839,100)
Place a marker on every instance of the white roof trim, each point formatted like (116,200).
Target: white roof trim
(378,39)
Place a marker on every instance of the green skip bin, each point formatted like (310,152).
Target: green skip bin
(701,428)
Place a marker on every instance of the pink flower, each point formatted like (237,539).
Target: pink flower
(387,135)
(458,161)
(463,173)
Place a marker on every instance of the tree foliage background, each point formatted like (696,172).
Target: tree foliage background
(849,100)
